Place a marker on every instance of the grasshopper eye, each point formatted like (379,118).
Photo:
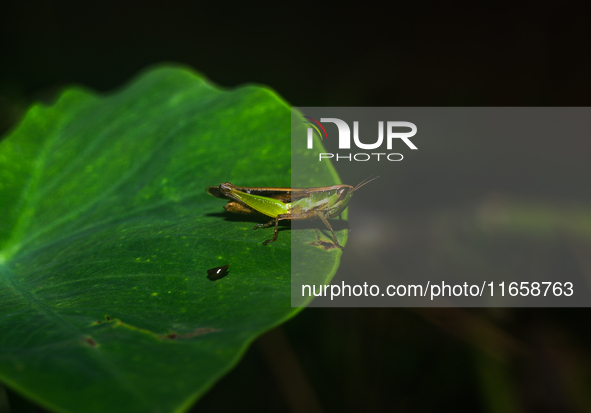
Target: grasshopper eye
(341,192)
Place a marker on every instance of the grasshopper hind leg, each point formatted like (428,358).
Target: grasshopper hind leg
(268,224)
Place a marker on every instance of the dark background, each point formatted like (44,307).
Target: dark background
(532,54)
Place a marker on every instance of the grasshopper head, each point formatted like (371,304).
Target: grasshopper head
(342,196)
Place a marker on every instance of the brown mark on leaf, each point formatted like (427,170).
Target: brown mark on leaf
(325,245)
(90,341)
(172,335)
(198,332)
(107,318)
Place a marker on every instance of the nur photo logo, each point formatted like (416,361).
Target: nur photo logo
(387,131)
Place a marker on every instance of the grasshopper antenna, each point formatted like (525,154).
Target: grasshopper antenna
(366,181)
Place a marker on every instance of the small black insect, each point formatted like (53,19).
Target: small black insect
(217,272)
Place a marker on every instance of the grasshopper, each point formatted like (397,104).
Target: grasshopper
(288,203)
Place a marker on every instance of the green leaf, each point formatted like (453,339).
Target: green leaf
(107,233)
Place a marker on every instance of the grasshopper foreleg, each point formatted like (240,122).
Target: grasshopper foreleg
(320,215)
